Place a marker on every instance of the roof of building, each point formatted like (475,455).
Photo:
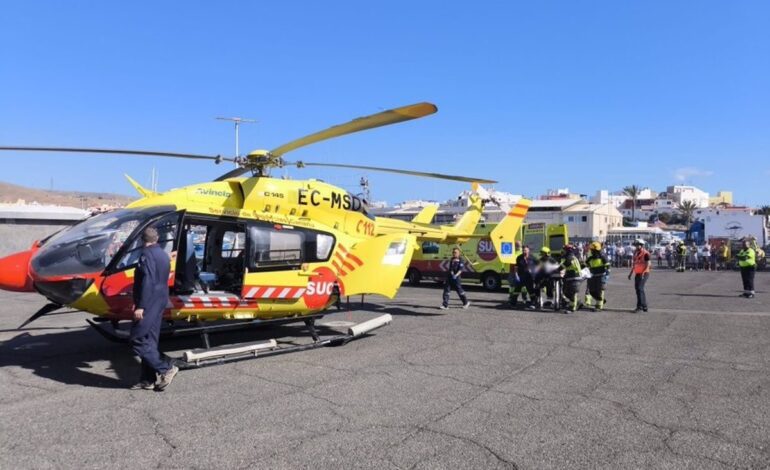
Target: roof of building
(41,212)
(553,203)
(593,208)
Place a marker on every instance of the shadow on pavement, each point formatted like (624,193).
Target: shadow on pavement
(66,356)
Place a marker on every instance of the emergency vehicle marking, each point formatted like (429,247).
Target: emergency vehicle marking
(274,292)
(208,301)
(342,261)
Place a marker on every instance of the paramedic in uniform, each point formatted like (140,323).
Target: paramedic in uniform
(150,301)
(453,281)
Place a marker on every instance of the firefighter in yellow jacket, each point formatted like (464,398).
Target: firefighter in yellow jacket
(599,266)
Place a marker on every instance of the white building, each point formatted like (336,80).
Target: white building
(681,193)
(732,223)
(605,197)
(584,221)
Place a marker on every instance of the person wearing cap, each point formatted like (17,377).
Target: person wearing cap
(599,266)
(572,278)
(640,269)
(747,262)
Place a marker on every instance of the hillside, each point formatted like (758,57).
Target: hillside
(10,193)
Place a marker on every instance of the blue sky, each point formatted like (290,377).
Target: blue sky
(539,95)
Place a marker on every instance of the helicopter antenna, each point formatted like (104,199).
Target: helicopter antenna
(237,121)
(364,183)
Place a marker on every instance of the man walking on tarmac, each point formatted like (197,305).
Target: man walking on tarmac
(747,262)
(640,269)
(572,279)
(599,266)
(453,281)
(522,278)
(150,301)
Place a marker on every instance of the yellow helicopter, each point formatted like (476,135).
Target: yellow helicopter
(245,247)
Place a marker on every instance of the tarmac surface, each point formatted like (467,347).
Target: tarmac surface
(686,385)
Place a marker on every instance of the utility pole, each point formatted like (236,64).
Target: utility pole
(237,121)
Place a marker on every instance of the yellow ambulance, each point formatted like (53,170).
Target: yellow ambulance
(481,262)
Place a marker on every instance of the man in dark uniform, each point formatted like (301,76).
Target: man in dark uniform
(572,279)
(599,266)
(453,281)
(545,267)
(150,301)
(522,281)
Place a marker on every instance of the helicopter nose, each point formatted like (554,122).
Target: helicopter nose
(14,272)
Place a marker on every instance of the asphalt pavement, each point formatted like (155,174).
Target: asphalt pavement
(685,385)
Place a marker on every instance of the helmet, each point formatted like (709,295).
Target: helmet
(639,242)
(596,246)
(545,250)
(568,248)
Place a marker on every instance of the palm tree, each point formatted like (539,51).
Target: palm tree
(632,192)
(687,208)
(764,210)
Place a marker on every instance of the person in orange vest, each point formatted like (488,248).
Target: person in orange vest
(640,269)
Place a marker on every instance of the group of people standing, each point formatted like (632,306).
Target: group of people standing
(531,275)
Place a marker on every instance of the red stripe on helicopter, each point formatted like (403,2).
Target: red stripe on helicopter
(273,292)
(349,266)
(207,301)
(340,272)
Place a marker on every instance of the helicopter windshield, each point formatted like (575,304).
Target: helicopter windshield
(89,246)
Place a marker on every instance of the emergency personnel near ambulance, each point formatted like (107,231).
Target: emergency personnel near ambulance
(544,264)
(572,278)
(599,266)
(150,301)
(453,281)
(522,279)
(747,262)
(640,269)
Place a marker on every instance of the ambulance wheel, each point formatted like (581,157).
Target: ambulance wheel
(414,277)
(491,281)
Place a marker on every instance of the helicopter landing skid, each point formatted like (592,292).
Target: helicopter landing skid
(121,335)
(197,358)
(208,356)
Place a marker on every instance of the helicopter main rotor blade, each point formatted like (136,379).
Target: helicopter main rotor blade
(144,153)
(423,174)
(233,174)
(391,116)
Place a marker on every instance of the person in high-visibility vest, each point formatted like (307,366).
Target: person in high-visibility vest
(572,278)
(599,266)
(681,252)
(640,269)
(747,262)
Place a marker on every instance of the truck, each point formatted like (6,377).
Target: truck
(482,265)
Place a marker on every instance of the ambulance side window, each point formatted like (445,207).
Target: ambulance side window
(430,248)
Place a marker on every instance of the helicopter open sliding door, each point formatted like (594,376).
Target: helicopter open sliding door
(117,287)
(210,267)
(286,269)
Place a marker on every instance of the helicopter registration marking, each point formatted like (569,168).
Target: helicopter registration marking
(335,200)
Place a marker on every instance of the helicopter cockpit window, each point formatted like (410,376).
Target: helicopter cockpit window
(167,231)
(90,245)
